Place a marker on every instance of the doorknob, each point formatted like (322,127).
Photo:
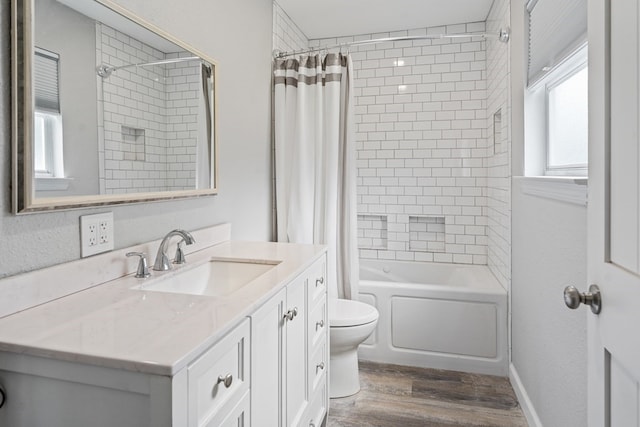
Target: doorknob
(573,298)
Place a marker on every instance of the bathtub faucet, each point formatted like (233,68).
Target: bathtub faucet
(162,261)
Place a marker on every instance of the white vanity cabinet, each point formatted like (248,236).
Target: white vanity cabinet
(55,393)
(113,354)
(290,354)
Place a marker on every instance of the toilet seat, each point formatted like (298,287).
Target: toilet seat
(345,313)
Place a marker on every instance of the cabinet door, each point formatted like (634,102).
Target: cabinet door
(267,340)
(207,390)
(236,415)
(296,352)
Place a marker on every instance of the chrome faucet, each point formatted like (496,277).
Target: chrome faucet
(162,261)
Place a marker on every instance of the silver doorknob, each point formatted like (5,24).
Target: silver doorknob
(573,298)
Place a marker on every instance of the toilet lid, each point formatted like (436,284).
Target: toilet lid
(344,312)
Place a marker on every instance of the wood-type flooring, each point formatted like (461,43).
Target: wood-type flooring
(401,396)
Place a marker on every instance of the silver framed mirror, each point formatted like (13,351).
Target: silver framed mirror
(106,109)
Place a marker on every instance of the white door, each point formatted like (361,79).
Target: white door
(614,212)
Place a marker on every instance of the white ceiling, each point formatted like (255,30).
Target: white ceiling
(334,18)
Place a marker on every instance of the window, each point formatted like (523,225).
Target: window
(48,162)
(567,124)
(48,145)
(556,120)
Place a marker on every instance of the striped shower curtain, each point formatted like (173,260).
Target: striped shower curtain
(315,164)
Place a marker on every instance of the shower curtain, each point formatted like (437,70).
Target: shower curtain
(315,159)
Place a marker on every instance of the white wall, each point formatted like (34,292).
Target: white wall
(238,34)
(548,339)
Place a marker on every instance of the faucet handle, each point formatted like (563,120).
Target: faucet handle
(179,258)
(143,271)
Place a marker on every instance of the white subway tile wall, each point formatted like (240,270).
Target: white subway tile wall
(421,114)
(157,106)
(498,163)
(183,85)
(286,34)
(426,145)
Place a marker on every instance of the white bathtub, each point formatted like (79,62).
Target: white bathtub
(443,316)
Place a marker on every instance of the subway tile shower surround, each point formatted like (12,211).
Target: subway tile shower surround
(421,135)
(433,161)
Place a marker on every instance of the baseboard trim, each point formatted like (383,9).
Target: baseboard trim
(523,397)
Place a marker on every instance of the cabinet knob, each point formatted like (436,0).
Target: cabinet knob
(226,380)
(311,424)
(289,315)
(319,281)
(320,365)
(319,324)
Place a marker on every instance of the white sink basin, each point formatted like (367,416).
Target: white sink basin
(212,278)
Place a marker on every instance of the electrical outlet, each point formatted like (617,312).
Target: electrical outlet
(96,234)
(105,230)
(92,237)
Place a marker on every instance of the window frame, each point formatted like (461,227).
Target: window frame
(537,118)
(48,110)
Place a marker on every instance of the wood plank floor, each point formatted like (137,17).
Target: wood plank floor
(393,395)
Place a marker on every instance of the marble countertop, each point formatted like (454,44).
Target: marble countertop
(115,325)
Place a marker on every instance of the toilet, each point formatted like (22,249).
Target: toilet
(350,323)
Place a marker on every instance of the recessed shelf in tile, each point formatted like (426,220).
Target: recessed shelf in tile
(372,231)
(133,143)
(426,233)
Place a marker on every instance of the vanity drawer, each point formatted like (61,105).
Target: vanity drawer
(317,328)
(317,409)
(317,281)
(318,365)
(207,390)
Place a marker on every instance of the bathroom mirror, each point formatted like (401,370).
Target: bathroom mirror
(106,109)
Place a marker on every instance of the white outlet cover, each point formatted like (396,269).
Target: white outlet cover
(96,234)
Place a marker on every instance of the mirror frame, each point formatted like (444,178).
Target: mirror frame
(22,111)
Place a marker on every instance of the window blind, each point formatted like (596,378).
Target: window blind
(557,28)
(46,87)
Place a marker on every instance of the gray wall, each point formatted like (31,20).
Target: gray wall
(549,341)
(73,36)
(238,34)
(549,250)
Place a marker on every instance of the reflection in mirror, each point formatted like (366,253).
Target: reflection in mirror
(120,113)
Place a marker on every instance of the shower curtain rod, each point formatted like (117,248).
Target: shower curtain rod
(503,36)
(106,70)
